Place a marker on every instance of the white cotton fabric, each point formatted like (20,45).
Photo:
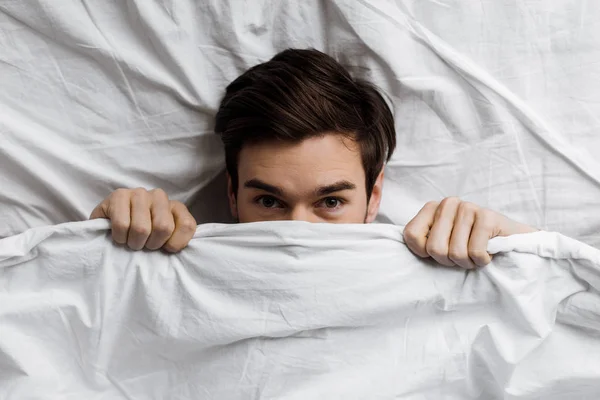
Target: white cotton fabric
(495,101)
(291,310)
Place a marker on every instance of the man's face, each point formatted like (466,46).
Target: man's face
(318,180)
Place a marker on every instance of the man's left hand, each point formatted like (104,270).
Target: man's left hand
(456,233)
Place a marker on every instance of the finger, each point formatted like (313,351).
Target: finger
(185,227)
(438,242)
(100,211)
(508,227)
(116,207)
(141,220)
(483,230)
(163,224)
(459,240)
(416,231)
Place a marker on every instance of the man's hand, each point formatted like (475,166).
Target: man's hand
(456,232)
(142,218)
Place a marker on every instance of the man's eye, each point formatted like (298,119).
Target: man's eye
(269,202)
(332,202)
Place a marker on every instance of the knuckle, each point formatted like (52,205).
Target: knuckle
(188,225)
(139,192)
(141,230)
(477,254)
(457,255)
(450,201)
(135,247)
(468,207)
(153,245)
(431,204)
(163,226)
(420,254)
(120,224)
(177,205)
(119,240)
(159,192)
(436,251)
(120,192)
(170,248)
(410,234)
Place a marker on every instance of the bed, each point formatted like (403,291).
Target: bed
(496,102)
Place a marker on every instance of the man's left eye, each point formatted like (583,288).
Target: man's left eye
(332,202)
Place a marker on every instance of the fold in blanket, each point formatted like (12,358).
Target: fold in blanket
(290,310)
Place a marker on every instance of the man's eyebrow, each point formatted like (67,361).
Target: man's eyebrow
(258,184)
(335,187)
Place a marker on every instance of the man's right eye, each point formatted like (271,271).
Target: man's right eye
(269,202)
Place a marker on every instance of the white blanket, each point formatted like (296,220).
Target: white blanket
(294,311)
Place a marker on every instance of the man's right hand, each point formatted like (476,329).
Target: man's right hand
(142,218)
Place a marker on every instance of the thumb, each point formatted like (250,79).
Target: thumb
(99,212)
(510,227)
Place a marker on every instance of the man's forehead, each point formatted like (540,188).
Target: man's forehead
(305,168)
(328,151)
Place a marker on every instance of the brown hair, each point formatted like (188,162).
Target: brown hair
(300,94)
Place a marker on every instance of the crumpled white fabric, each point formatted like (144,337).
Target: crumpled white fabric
(291,310)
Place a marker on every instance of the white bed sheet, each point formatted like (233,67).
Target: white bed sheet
(495,101)
(294,310)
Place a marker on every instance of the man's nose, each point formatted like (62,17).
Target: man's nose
(301,214)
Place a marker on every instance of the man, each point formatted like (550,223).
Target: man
(305,141)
